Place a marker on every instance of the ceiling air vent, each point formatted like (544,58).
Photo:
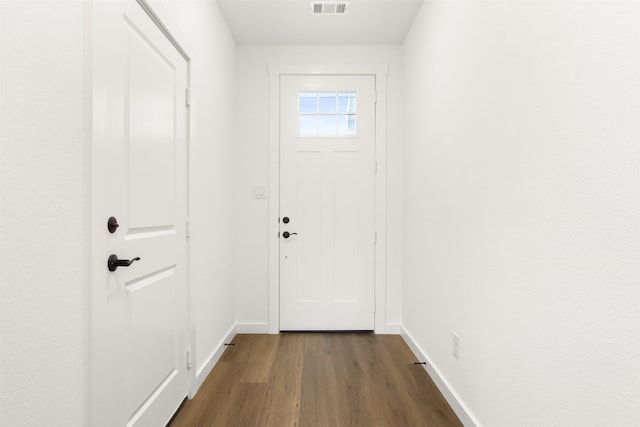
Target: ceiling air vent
(329,7)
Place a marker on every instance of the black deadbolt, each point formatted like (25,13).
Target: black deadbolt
(285,220)
(112,224)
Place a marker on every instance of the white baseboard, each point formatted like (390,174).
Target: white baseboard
(252,328)
(263,328)
(451,397)
(205,369)
(393,329)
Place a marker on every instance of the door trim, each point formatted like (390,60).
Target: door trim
(380,72)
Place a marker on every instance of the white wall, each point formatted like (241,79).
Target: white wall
(212,50)
(252,162)
(522,207)
(42,213)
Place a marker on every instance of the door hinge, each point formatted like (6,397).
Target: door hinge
(375,167)
(375,97)
(188,228)
(375,238)
(188,358)
(187,97)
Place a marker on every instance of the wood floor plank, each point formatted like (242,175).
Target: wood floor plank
(262,351)
(317,407)
(243,406)
(355,367)
(210,399)
(391,398)
(282,403)
(421,388)
(434,408)
(353,394)
(355,401)
(317,380)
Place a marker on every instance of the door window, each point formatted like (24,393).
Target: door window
(326,114)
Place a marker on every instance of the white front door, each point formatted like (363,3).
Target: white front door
(139,312)
(327,202)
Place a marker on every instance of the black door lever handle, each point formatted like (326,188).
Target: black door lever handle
(286,234)
(113,262)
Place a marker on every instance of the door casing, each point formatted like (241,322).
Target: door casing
(380,73)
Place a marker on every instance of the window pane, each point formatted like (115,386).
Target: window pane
(327,102)
(351,120)
(347,102)
(308,102)
(326,113)
(346,124)
(327,125)
(308,125)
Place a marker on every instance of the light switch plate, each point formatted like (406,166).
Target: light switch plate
(259,192)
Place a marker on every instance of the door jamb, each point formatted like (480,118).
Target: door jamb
(380,275)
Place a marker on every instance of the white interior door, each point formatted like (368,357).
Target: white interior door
(139,312)
(327,202)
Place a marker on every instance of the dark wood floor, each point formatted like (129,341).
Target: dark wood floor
(317,380)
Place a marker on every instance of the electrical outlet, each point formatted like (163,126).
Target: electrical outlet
(456,345)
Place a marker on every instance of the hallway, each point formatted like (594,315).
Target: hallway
(317,379)
(507,206)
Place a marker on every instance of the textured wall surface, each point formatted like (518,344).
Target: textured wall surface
(522,206)
(42,211)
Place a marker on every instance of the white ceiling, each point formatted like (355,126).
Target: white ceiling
(276,22)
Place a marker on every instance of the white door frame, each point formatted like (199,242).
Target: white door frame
(380,73)
(162,18)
